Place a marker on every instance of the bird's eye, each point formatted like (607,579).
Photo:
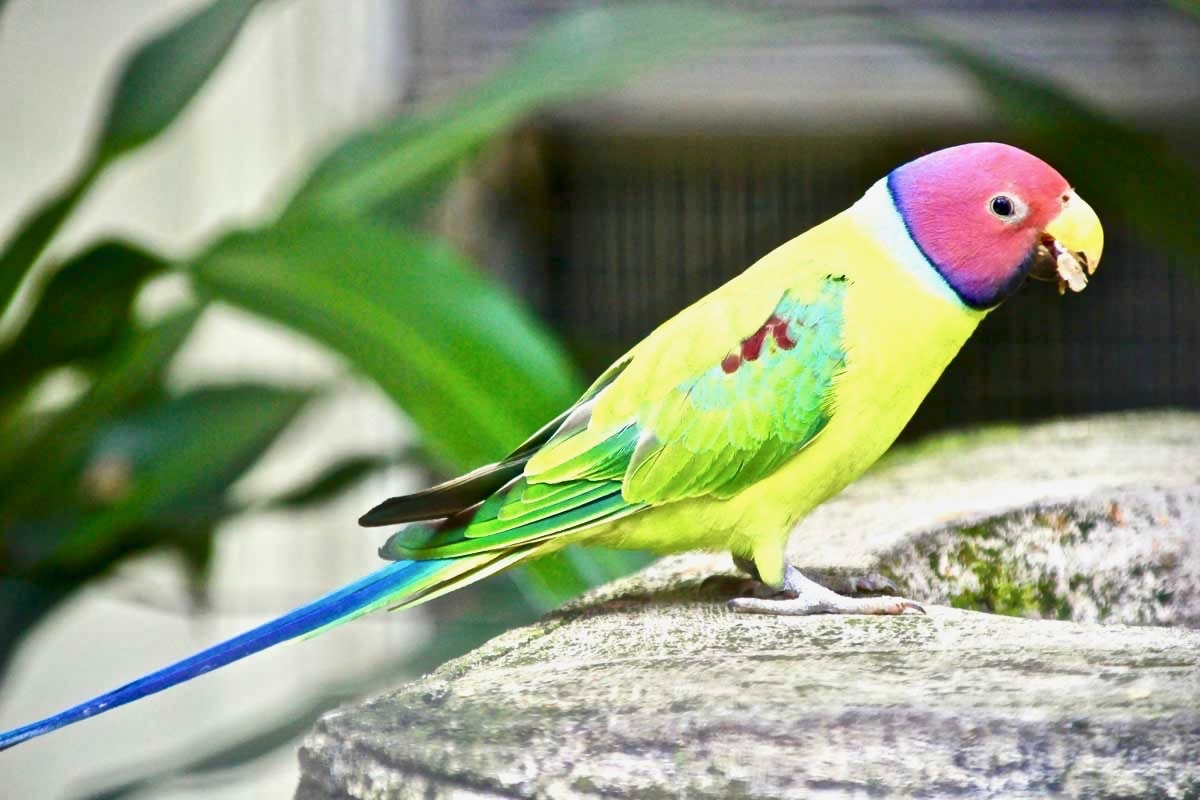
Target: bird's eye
(1002,206)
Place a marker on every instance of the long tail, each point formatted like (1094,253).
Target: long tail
(400,583)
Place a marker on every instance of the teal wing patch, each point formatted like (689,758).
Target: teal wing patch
(728,426)
(740,420)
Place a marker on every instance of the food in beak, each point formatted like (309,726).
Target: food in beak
(1053,262)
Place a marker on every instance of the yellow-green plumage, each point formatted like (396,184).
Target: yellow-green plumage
(677,448)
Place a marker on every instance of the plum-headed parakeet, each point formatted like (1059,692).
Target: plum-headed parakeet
(738,416)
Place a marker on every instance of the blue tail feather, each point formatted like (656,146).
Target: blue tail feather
(337,606)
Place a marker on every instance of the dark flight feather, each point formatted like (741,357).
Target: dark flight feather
(454,496)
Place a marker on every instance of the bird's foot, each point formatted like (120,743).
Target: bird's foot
(802,596)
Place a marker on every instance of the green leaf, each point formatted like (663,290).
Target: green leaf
(40,463)
(157,477)
(473,370)
(36,231)
(83,313)
(1187,6)
(164,74)
(238,419)
(39,471)
(188,447)
(156,83)
(1117,168)
(582,52)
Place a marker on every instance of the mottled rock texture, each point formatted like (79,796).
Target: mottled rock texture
(1095,519)
(649,688)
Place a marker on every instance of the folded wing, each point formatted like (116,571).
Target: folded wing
(713,401)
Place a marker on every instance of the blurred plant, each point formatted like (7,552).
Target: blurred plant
(118,462)
(123,463)
(1188,6)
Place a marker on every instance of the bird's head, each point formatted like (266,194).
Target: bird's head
(988,215)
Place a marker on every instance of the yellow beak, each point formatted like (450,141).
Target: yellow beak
(1076,242)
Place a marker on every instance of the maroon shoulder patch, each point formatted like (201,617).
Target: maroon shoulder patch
(751,347)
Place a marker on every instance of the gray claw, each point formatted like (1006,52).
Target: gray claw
(872,583)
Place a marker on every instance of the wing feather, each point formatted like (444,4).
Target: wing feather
(714,400)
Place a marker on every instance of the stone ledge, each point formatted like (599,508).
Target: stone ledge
(660,692)
(650,688)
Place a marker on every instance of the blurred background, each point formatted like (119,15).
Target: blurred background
(267,263)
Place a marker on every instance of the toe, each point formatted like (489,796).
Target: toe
(746,605)
(872,583)
(888,605)
(795,607)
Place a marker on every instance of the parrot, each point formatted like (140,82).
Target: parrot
(734,419)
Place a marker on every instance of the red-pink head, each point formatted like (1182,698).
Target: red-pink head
(978,213)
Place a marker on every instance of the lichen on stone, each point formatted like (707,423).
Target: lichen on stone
(1124,555)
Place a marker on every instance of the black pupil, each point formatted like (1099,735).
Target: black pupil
(1002,206)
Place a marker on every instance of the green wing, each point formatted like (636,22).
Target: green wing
(636,440)
(728,426)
